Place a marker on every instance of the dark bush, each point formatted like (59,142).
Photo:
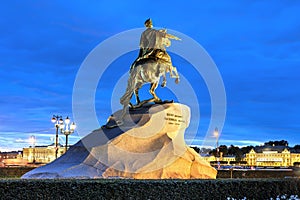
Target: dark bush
(149,189)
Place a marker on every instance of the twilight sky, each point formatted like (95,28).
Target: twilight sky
(254,44)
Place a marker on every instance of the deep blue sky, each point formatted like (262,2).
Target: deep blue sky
(255,45)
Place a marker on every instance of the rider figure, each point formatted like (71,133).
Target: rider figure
(151,42)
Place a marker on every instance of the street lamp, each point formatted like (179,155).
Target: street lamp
(216,135)
(67,129)
(57,120)
(32,140)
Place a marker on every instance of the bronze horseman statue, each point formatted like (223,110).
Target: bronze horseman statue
(152,63)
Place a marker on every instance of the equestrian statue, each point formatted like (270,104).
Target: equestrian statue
(152,63)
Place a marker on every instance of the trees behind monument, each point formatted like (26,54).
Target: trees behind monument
(238,152)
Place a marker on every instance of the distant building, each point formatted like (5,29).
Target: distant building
(275,156)
(229,159)
(42,154)
(224,160)
(31,155)
(11,158)
(9,155)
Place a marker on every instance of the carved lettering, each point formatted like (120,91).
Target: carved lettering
(174,119)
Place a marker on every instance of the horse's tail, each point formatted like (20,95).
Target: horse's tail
(125,99)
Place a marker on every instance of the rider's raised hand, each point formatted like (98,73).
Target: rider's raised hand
(177,38)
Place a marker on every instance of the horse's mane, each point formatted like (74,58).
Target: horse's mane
(146,60)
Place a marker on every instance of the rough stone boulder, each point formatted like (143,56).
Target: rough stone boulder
(149,145)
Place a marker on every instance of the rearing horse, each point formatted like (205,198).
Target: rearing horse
(148,70)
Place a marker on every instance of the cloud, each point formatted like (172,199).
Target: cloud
(19,140)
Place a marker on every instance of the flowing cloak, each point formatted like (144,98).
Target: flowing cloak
(152,39)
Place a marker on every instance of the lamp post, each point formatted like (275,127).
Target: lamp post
(32,141)
(216,135)
(57,120)
(67,130)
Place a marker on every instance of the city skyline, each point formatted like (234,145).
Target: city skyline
(266,144)
(255,46)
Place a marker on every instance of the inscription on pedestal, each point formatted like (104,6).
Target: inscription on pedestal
(174,119)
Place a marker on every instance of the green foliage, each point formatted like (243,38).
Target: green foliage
(246,149)
(240,152)
(277,143)
(205,150)
(297,164)
(235,150)
(223,149)
(297,146)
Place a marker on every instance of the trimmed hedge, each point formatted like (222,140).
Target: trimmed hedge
(149,189)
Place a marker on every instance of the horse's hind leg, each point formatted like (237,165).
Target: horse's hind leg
(164,82)
(152,92)
(136,92)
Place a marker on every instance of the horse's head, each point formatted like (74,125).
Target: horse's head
(166,42)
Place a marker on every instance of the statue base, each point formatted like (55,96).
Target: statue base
(149,145)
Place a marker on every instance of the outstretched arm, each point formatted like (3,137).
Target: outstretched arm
(172,36)
(167,35)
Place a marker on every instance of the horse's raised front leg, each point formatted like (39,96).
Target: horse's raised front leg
(164,82)
(173,69)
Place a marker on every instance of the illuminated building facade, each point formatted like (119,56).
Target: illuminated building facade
(13,158)
(225,160)
(278,156)
(274,157)
(42,154)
